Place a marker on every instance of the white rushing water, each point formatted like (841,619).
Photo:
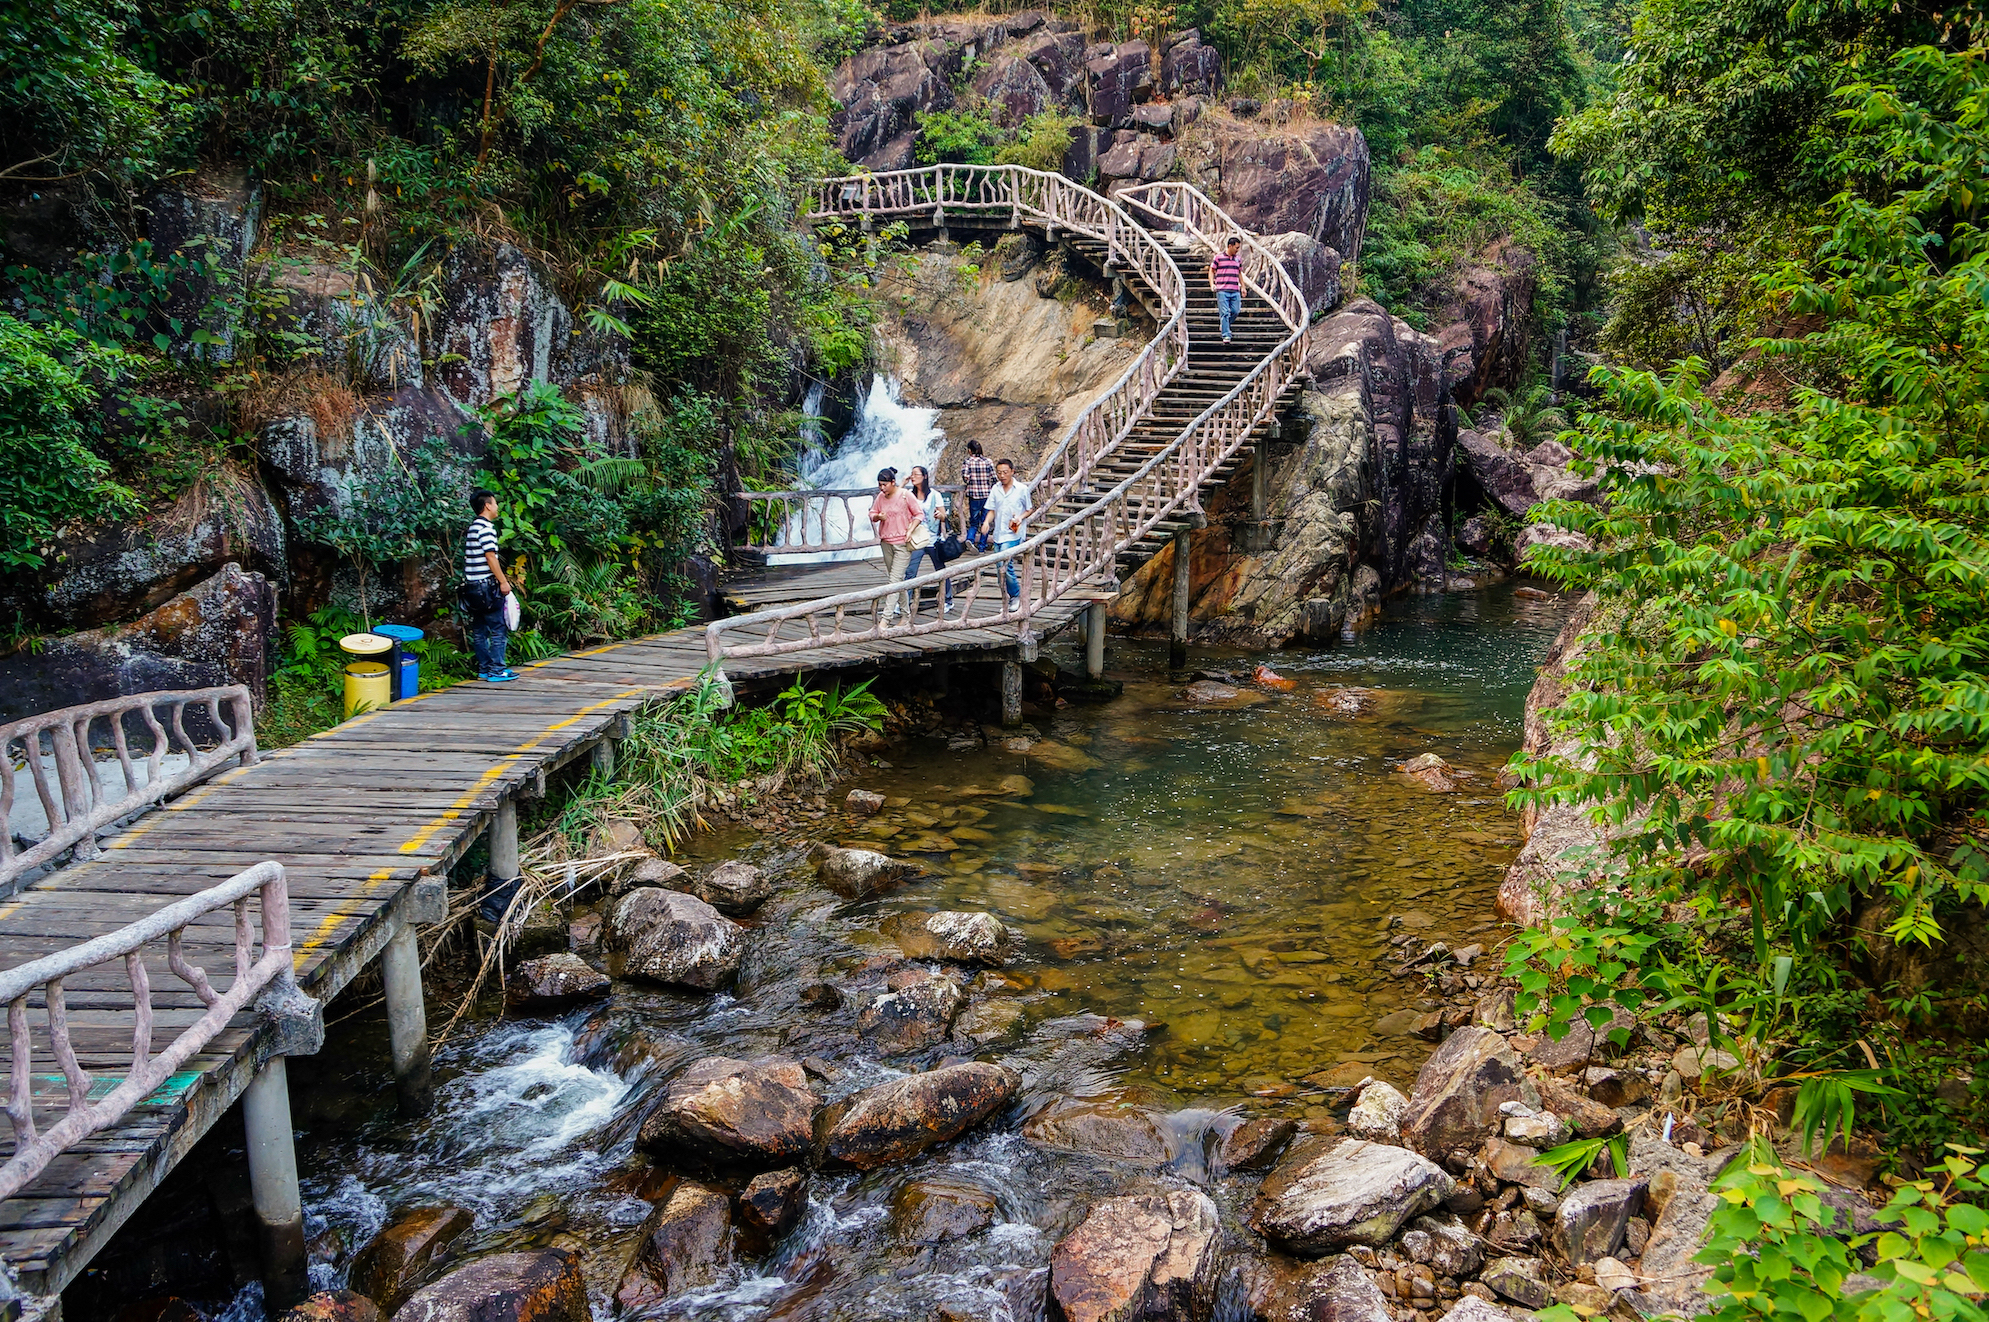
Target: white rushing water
(888,434)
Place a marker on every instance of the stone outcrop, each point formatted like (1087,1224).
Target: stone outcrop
(938,1210)
(964,938)
(1302,178)
(772,1200)
(880,91)
(1140,1258)
(673,938)
(858,874)
(1313,267)
(217,632)
(334,1306)
(733,888)
(913,1017)
(1099,1127)
(733,1113)
(1014,89)
(898,1120)
(542,1286)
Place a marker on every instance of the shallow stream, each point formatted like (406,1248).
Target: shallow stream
(1229,875)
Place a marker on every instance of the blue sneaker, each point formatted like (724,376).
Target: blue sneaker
(508,673)
(499,677)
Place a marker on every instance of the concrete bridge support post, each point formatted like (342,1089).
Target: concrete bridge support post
(1094,641)
(1177,626)
(603,757)
(286,1278)
(1259,497)
(407,1020)
(1011,693)
(504,863)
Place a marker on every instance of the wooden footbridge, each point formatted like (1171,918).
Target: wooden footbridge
(280,876)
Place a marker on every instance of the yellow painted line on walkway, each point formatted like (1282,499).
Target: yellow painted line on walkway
(455,810)
(338,915)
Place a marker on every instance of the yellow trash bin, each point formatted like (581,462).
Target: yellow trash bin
(365,687)
(367,683)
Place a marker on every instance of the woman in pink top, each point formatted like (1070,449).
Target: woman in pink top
(893,512)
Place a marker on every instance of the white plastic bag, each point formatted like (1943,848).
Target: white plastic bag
(513,613)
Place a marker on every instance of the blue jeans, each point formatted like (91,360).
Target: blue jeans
(938,562)
(977,509)
(1229,302)
(488,638)
(1011,573)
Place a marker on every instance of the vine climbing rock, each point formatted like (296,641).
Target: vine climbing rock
(544,1286)
(1151,1257)
(733,1113)
(673,938)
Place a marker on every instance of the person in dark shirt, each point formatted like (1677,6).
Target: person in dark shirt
(977,476)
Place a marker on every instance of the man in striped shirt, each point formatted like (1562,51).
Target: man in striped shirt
(1226,278)
(485,587)
(977,475)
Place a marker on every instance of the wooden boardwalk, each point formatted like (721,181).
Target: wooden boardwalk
(356,815)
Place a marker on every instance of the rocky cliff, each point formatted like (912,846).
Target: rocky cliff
(189,592)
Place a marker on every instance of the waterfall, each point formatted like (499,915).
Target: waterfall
(887,434)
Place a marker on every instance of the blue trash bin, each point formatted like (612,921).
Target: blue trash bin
(403,666)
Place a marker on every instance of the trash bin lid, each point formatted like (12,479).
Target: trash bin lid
(366,668)
(400,633)
(365,644)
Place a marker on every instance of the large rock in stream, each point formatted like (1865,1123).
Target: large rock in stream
(684,1244)
(858,874)
(1455,1103)
(898,1120)
(544,1286)
(1327,1194)
(915,1017)
(669,937)
(1144,1258)
(733,1113)
(407,1248)
(1335,1289)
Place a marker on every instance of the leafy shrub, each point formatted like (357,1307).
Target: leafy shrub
(48,392)
(959,137)
(1041,143)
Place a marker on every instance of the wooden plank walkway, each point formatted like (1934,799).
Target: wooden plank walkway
(356,815)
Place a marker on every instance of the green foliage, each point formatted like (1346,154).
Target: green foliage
(1527,417)
(1781,713)
(1041,142)
(961,137)
(74,104)
(1569,1160)
(1688,303)
(394,515)
(48,395)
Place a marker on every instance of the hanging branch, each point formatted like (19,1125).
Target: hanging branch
(493,116)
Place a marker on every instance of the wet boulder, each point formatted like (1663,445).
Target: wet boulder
(1327,1194)
(733,1113)
(334,1306)
(1431,772)
(1378,1113)
(863,803)
(1140,1258)
(1098,1128)
(1254,1144)
(936,1210)
(898,1120)
(915,1017)
(965,938)
(670,937)
(858,874)
(772,1200)
(407,1249)
(1456,1099)
(684,1244)
(541,1286)
(553,982)
(733,888)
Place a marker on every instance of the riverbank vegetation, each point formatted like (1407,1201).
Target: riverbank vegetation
(1780,712)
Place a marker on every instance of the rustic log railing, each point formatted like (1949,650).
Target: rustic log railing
(266,982)
(1079,551)
(77,805)
(1184,209)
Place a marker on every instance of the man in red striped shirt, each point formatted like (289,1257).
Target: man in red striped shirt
(1226,278)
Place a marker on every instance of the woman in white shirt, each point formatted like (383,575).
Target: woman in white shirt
(936,513)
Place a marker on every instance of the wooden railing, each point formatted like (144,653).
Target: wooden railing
(798,522)
(77,805)
(1078,551)
(266,982)
(1184,209)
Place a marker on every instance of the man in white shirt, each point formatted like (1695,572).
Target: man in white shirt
(1007,521)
